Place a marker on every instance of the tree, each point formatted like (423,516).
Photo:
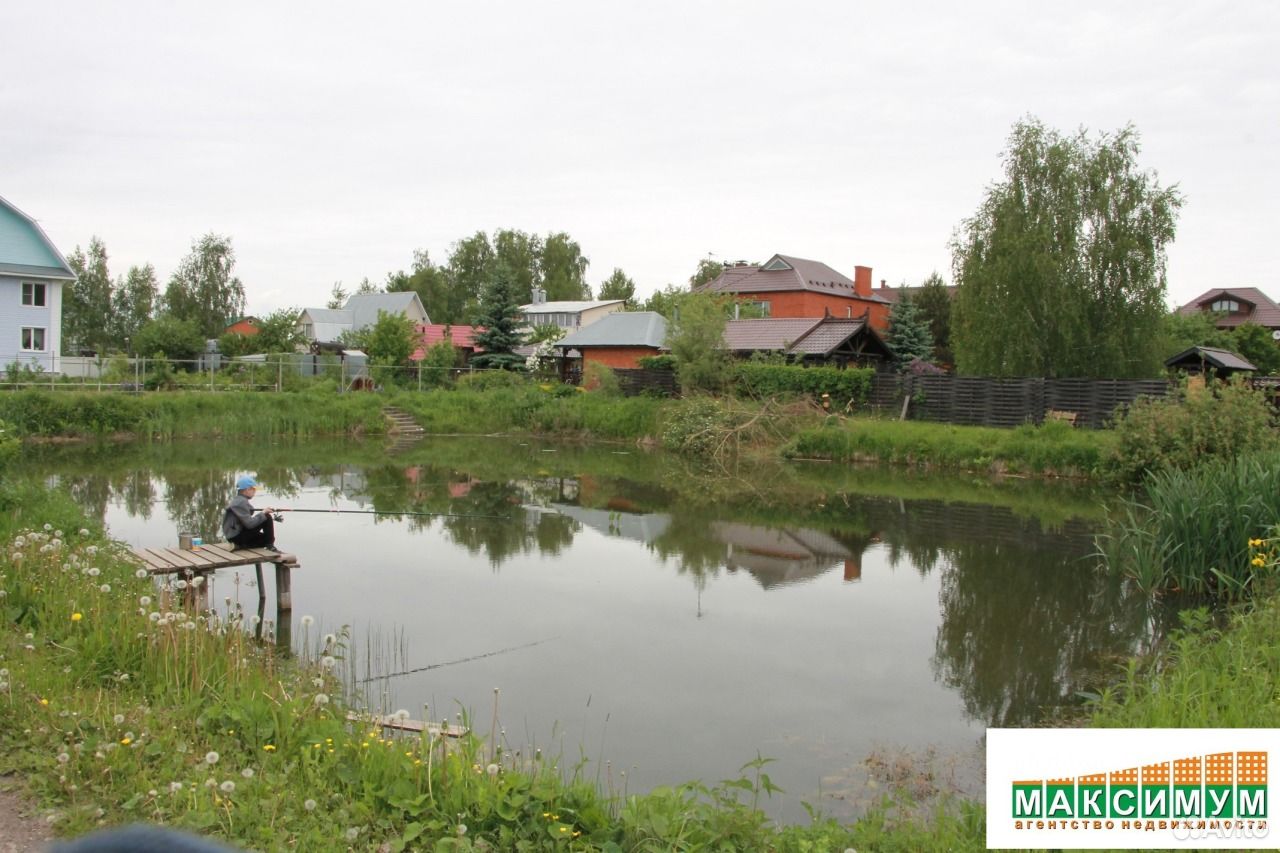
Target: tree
(86,310)
(432,284)
(564,269)
(1255,343)
(664,301)
(338,296)
(1061,271)
(909,336)
(203,289)
(1180,332)
(391,340)
(707,270)
(500,316)
(521,254)
(133,304)
(171,337)
(695,336)
(934,303)
(366,286)
(278,332)
(471,268)
(619,286)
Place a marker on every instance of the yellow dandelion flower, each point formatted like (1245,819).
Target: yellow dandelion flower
(1254,543)
(76,617)
(125,741)
(1258,561)
(269,747)
(364,745)
(44,701)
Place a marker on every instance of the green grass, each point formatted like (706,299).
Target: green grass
(120,701)
(167,415)
(1054,448)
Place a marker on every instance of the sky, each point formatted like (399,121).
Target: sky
(330,140)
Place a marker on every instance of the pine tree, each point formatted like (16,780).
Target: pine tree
(909,335)
(500,316)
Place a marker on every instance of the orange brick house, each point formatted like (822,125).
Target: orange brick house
(786,286)
(617,340)
(242,326)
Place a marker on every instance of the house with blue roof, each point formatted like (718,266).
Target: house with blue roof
(33,274)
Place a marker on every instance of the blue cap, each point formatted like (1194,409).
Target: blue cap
(245,482)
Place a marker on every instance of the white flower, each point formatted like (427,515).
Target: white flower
(144,600)
(211,782)
(227,787)
(175,787)
(58,533)
(118,718)
(94,571)
(197,580)
(155,616)
(211,757)
(189,625)
(492,770)
(322,699)
(106,587)
(140,573)
(48,526)
(330,639)
(309,805)
(179,584)
(63,758)
(402,714)
(352,833)
(308,621)
(328,662)
(247,773)
(4,673)
(462,829)
(84,531)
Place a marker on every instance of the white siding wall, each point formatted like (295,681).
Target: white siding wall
(14,317)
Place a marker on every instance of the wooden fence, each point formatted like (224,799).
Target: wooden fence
(984,401)
(636,381)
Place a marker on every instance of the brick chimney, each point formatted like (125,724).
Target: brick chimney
(862,281)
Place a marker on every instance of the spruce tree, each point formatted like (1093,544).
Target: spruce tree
(909,335)
(500,316)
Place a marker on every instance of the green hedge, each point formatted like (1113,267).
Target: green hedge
(774,380)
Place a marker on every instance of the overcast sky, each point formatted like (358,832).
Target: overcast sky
(330,141)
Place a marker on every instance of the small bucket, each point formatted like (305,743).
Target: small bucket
(184,541)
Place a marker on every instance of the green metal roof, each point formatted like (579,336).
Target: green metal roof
(25,249)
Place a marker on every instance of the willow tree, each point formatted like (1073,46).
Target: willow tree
(1061,272)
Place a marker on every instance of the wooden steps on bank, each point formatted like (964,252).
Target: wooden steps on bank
(202,559)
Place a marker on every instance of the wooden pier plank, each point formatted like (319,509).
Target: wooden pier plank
(403,725)
(205,558)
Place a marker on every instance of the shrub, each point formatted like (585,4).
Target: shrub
(774,380)
(657,362)
(1185,429)
(485,380)
(601,379)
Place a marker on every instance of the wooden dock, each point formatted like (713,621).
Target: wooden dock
(399,724)
(203,559)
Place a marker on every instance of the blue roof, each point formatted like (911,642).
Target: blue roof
(25,249)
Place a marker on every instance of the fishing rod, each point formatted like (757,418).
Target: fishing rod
(391,512)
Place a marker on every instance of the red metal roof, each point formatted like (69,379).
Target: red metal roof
(461,337)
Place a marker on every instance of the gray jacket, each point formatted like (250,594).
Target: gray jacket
(241,516)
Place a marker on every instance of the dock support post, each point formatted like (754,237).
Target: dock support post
(284,600)
(262,592)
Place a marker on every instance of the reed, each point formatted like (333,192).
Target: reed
(1190,530)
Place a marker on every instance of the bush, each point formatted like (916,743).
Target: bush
(601,379)
(487,380)
(1185,429)
(657,362)
(777,380)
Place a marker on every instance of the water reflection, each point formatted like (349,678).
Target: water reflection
(864,607)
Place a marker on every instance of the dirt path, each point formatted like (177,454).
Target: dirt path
(21,831)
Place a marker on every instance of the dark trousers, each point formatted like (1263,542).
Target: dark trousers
(259,537)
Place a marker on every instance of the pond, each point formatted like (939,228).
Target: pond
(664,623)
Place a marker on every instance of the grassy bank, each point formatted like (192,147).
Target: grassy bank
(46,414)
(121,702)
(1054,448)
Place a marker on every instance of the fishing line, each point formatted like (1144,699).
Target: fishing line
(459,660)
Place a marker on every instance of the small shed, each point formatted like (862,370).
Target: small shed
(1208,361)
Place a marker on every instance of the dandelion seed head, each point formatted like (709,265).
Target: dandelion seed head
(307,621)
(309,805)
(322,699)
(118,719)
(106,587)
(211,757)
(63,758)
(94,571)
(247,773)
(227,787)
(140,573)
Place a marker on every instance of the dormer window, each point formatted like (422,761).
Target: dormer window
(1227,306)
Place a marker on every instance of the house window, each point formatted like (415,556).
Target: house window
(33,294)
(1230,306)
(753,310)
(33,339)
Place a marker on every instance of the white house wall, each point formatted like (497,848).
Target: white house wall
(14,317)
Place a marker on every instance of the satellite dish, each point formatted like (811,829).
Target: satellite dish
(1275,336)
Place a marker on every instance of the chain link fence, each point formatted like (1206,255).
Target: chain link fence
(266,373)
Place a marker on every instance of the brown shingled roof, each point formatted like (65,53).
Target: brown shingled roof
(770,333)
(792,274)
(1259,307)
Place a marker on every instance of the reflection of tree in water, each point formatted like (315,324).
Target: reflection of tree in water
(508,530)
(1027,617)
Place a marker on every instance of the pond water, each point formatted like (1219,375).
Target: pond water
(668,624)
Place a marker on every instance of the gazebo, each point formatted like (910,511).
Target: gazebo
(1208,361)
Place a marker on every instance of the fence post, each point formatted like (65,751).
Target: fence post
(419,377)
(279,374)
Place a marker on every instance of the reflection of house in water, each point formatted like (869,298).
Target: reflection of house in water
(349,484)
(778,556)
(773,556)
